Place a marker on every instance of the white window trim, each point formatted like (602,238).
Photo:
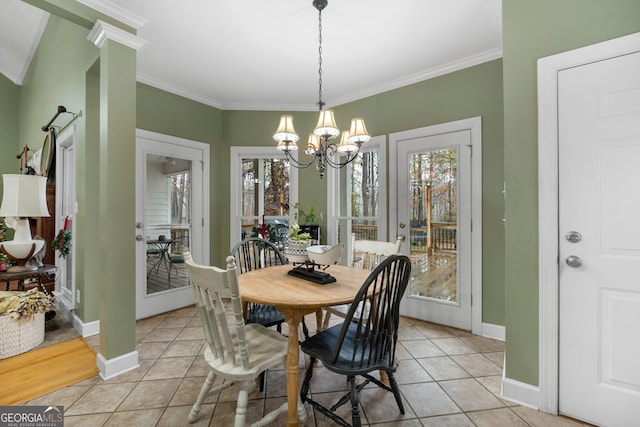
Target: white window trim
(235,209)
(379,144)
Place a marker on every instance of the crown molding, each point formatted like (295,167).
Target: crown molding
(102,31)
(419,77)
(116,12)
(177,90)
(355,96)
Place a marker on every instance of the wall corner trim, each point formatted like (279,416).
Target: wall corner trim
(102,31)
(118,365)
(521,393)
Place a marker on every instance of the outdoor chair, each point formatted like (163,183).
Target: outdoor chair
(361,345)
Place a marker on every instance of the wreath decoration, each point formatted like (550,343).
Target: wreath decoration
(62,241)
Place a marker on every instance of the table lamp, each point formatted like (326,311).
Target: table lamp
(23,196)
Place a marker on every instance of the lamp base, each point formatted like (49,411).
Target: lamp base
(25,251)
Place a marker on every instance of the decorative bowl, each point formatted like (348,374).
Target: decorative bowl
(324,254)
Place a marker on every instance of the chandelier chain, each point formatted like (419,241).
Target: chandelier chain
(320,103)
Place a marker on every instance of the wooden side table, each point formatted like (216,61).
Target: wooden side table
(41,273)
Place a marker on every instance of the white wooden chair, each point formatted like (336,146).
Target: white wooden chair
(365,254)
(236,352)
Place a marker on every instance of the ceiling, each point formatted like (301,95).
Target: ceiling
(257,55)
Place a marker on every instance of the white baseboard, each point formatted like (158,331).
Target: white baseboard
(118,365)
(521,393)
(496,332)
(86,329)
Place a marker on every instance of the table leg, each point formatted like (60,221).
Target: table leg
(318,321)
(293,357)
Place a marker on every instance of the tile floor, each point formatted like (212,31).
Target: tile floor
(447,377)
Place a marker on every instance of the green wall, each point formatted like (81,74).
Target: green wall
(531,30)
(475,91)
(169,114)
(57,77)
(9,123)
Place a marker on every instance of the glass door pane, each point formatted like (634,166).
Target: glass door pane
(265,198)
(167,214)
(359,205)
(433,215)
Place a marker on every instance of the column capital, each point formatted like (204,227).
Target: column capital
(102,31)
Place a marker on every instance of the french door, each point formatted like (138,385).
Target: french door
(171,219)
(434,209)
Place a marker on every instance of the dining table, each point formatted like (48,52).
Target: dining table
(296,297)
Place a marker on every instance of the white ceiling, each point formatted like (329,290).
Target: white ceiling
(249,54)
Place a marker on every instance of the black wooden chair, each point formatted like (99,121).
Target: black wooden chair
(252,254)
(363,344)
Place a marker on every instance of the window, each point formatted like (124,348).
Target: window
(357,200)
(263,188)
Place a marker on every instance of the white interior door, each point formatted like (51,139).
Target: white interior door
(433,196)
(599,241)
(171,219)
(65,213)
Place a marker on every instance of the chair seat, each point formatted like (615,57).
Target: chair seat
(266,348)
(322,346)
(266,315)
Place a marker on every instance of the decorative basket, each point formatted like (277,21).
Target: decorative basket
(19,336)
(296,251)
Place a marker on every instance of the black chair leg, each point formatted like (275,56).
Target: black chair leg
(305,330)
(353,397)
(396,391)
(304,390)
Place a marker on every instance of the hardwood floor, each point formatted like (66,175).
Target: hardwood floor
(41,371)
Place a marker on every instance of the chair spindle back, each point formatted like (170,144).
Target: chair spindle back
(217,297)
(371,337)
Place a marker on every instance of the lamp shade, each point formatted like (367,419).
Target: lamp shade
(346,146)
(287,146)
(326,126)
(24,196)
(358,132)
(285,131)
(313,144)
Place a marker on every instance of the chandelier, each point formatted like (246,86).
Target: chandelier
(320,147)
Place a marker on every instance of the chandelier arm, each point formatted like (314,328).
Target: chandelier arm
(297,164)
(337,164)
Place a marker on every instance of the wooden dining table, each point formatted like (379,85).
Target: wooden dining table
(296,297)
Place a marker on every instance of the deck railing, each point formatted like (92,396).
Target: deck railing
(443,236)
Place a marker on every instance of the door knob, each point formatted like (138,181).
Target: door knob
(573,261)
(573,237)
